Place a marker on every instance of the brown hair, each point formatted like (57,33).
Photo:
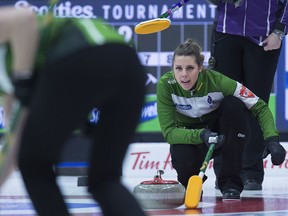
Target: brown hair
(189,48)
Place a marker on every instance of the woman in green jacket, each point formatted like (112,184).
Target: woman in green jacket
(196,105)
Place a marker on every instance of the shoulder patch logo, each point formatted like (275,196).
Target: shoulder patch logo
(245,92)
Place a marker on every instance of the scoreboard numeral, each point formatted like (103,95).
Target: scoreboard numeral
(146,58)
(169,59)
(126,31)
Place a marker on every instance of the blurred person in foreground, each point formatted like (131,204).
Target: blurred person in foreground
(60,70)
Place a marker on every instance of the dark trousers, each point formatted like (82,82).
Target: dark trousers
(233,123)
(109,77)
(240,59)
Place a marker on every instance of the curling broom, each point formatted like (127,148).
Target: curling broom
(158,24)
(194,187)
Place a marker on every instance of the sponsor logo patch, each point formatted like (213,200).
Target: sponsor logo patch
(184,106)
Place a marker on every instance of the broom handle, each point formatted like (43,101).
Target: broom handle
(174,8)
(206,160)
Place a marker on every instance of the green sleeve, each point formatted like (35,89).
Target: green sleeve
(167,119)
(227,85)
(265,118)
(255,104)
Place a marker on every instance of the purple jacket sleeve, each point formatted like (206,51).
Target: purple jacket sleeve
(282,16)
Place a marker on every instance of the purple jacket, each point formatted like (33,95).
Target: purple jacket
(255,19)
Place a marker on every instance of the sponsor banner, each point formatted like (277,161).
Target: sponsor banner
(144,159)
(282,89)
(286,80)
(149,117)
(286,102)
(122,11)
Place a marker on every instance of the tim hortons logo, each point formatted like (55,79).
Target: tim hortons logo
(141,161)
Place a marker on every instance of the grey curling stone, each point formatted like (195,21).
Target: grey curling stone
(159,193)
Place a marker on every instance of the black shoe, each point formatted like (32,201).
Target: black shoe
(251,184)
(231,194)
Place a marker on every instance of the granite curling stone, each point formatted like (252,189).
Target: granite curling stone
(159,193)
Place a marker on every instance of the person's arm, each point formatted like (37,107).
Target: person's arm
(282,17)
(18,28)
(265,118)
(273,41)
(271,135)
(253,103)
(266,121)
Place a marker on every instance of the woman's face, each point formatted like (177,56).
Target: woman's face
(186,71)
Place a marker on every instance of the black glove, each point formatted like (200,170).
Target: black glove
(273,147)
(23,89)
(209,137)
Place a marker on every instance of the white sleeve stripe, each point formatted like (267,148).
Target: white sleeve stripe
(245,95)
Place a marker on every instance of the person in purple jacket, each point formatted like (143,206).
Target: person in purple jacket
(245,46)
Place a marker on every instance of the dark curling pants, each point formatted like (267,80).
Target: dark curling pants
(109,77)
(240,59)
(233,123)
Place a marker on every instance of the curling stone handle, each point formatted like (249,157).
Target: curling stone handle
(160,173)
